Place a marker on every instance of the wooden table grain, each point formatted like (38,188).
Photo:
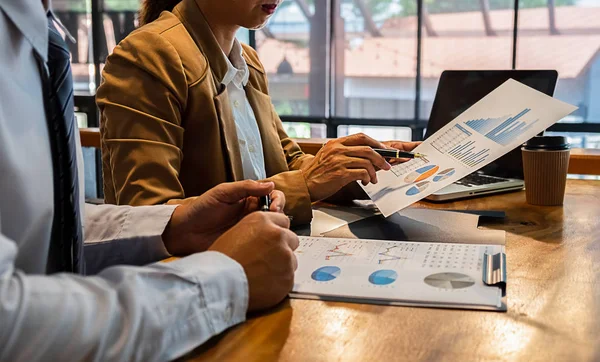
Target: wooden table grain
(553,256)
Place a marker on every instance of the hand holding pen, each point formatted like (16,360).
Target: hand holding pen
(196,224)
(398,152)
(393,153)
(265,205)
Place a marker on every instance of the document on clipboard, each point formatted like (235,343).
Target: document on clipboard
(464,276)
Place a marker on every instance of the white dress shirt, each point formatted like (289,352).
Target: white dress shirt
(125,313)
(251,149)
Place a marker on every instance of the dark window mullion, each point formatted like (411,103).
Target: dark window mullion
(252,38)
(515,35)
(97,37)
(97,44)
(418,70)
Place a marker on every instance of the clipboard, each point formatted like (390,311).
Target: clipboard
(492,268)
(494,271)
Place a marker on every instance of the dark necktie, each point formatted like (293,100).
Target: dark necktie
(66,248)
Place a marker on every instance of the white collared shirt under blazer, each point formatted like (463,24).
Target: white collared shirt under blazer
(251,148)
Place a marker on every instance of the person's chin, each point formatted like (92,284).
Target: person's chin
(258,24)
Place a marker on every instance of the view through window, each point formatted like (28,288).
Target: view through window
(565,35)
(334,60)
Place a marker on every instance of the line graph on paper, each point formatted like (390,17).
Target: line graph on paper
(408,166)
(337,251)
(394,254)
(342,251)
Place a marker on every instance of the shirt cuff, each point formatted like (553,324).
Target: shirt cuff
(223,285)
(125,235)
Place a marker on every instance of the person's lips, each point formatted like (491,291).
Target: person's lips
(269,8)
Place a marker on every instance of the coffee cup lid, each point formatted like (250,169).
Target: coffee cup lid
(553,143)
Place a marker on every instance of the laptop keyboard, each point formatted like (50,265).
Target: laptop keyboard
(479,180)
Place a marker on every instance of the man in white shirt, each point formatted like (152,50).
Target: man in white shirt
(152,313)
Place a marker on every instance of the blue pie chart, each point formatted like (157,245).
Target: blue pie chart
(417,188)
(326,273)
(383,277)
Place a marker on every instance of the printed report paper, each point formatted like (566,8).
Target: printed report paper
(501,121)
(410,273)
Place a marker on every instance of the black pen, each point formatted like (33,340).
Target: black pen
(265,203)
(393,153)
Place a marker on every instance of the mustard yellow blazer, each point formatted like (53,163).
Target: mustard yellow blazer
(167,128)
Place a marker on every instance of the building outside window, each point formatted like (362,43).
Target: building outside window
(338,67)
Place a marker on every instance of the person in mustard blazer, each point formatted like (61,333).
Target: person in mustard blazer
(178,116)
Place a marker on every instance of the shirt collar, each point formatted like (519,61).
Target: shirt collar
(237,68)
(30,18)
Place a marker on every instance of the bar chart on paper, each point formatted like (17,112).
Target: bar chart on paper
(457,143)
(503,130)
(469,153)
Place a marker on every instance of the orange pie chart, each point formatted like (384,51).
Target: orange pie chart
(421,173)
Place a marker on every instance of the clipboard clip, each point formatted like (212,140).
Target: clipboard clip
(494,270)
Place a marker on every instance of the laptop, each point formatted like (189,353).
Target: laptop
(459,90)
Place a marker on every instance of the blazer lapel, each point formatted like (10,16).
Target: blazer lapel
(194,21)
(275,161)
(190,15)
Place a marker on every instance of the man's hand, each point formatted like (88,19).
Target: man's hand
(198,222)
(264,246)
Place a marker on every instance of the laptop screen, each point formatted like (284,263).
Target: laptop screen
(459,90)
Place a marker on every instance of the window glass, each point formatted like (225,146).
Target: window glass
(566,37)
(375,59)
(293,47)
(305,130)
(76,17)
(377,132)
(464,35)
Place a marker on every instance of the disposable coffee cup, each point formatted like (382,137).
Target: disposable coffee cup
(545,166)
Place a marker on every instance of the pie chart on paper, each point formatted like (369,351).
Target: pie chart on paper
(383,277)
(442,175)
(449,280)
(326,273)
(417,189)
(421,173)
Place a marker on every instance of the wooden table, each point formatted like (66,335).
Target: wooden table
(553,303)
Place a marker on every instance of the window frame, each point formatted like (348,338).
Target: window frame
(417,123)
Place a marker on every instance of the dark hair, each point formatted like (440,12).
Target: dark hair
(151,9)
